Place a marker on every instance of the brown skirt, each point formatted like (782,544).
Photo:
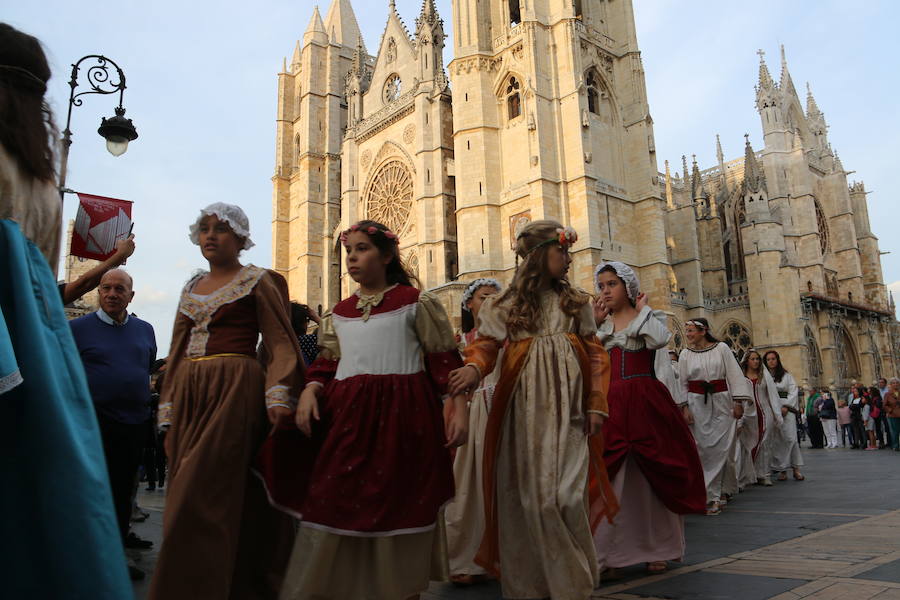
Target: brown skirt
(221,538)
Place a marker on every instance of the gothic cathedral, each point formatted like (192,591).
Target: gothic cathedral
(549,118)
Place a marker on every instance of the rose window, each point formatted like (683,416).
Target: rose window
(389,196)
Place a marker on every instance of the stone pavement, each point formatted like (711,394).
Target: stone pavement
(834,536)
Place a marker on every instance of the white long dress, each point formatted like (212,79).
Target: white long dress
(714,423)
(785,447)
(767,398)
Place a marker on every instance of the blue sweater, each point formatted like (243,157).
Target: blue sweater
(117,361)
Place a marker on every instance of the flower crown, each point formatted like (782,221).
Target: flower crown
(370,230)
(565,237)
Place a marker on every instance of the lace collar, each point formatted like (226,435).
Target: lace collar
(365,303)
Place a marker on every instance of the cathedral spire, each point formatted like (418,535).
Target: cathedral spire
(754,178)
(295,59)
(765,78)
(720,156)
(670,202)
(315,31)
(786,84)
(687,174)
(812,109)
(341,24)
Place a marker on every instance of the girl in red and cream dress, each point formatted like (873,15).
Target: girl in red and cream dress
(372,471)
(650,453)
(465,514)
(545,484)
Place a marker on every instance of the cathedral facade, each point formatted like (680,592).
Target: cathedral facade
(549,118)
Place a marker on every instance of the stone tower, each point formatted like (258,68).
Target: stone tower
(551,120)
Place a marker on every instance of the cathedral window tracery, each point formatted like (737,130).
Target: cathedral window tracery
(389,196)
(822,224)
(737,337)
(513,99)
(392,88)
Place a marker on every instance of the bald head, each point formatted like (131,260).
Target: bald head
(116,293)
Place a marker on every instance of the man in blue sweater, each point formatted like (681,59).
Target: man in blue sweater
(118,351)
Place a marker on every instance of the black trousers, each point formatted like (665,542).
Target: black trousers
(816,432)
(155,457)
(122,445)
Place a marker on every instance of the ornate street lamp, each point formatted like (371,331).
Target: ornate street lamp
(117,130)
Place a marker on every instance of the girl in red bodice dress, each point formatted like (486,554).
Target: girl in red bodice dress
(372,471)
(650,454)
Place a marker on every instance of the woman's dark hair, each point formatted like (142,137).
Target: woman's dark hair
(26,124)
(610,269)
(779,371)
(875,392)
(299,318)
(395,272)
(708,336)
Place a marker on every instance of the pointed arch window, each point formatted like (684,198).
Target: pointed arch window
(299,107)
(513,99)
(813,357)
(297,150)
(822,224)
(515,13)
(737,337)
(593,93)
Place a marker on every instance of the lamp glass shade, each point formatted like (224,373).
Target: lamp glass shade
(116,145)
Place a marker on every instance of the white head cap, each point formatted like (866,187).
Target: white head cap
(473,287)
(231,214)
(625,273)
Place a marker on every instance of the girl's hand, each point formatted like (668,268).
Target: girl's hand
(784,411)
(457,428)
(278,415)
(641,301)
(600,311)
(687,414)
(593,424)
(737,409)
(308,409)
(463,380)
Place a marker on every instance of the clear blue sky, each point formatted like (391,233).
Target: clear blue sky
(202,85)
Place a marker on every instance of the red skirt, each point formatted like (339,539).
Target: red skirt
(376,464)
(645,422)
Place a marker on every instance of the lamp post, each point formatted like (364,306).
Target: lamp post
(117,130)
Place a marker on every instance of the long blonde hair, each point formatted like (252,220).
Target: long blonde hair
(523,296)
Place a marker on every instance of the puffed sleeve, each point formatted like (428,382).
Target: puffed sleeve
(587,325)
(738,385)
(323,369)
(284,367)
(665,373)
(180,333)
(438,342)
(652,328)
(482,353)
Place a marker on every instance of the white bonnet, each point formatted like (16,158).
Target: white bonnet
(231,214)
(473,287)
(625,273)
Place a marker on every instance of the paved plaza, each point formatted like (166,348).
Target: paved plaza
(834,536)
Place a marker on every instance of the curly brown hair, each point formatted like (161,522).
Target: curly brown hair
(523,296)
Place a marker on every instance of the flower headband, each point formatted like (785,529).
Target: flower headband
(478,283)
(565,237)
(696,324)
(370,230)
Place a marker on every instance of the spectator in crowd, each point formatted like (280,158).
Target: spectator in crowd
(118,350)
(856,402)
(892,410)
(845,423)
(828,417)
(881,428)
(813,425)
(74,290)
(154,451)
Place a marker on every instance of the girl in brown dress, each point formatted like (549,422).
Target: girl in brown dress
(221,538)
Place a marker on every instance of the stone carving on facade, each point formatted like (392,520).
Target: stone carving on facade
(366,159)
(516,223)
(409,133)
(391,53)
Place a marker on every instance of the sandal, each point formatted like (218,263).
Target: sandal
(659,566)
(798,475)
(782,476)
(713,508)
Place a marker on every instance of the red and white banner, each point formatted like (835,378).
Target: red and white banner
(99,224)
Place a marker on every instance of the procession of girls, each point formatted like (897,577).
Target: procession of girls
(551,442)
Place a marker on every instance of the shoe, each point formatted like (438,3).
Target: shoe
(134,542)
(767,481)
(798,475)
(659,566)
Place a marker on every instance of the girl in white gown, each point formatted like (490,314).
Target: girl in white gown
(785,448)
